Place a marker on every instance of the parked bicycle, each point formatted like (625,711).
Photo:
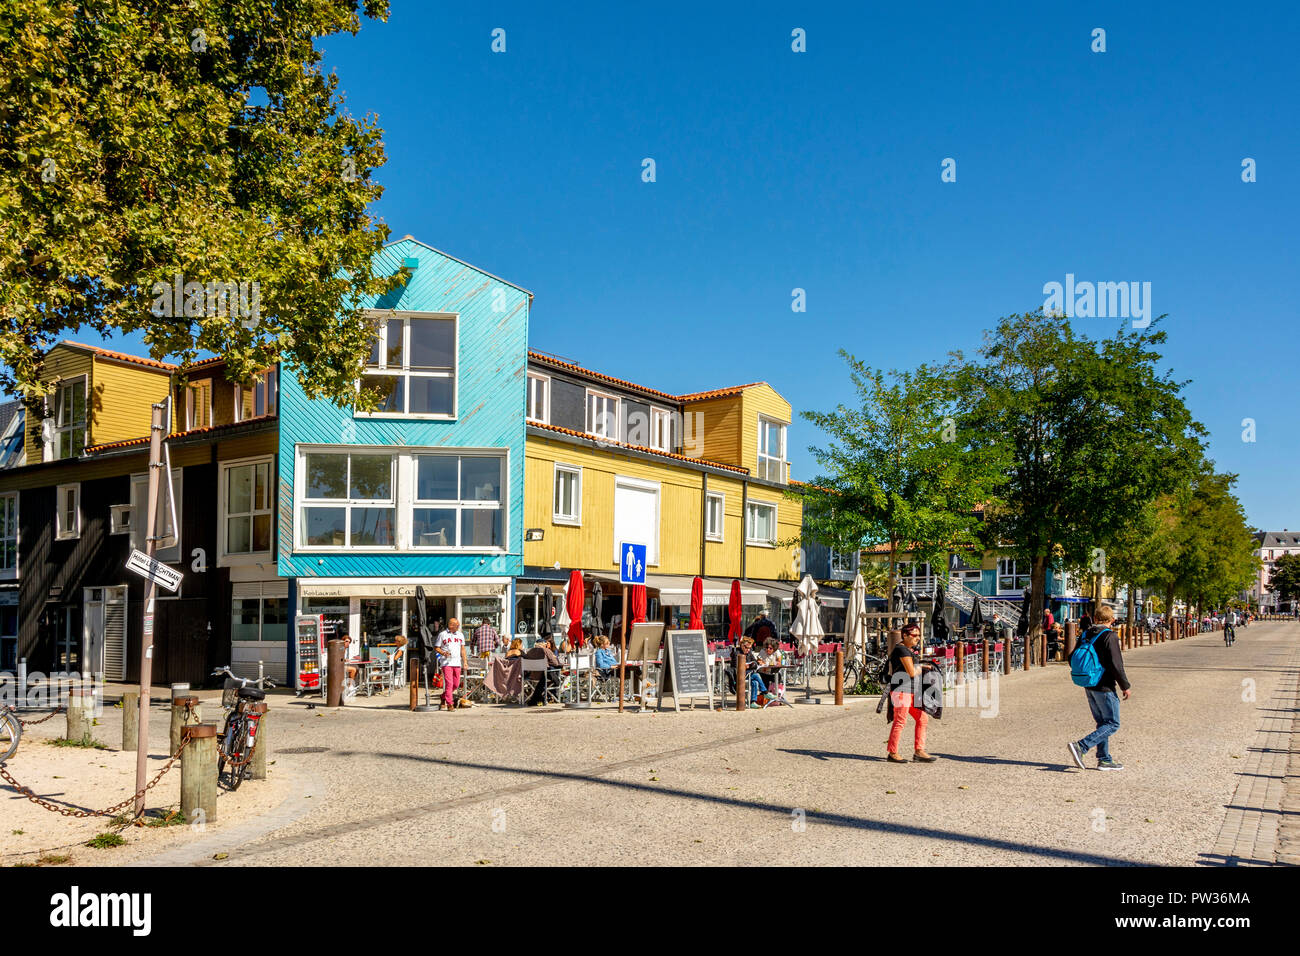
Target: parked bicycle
(238,738)
(1229,634)
(864,676)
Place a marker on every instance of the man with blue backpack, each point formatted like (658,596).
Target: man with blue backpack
(1097,666)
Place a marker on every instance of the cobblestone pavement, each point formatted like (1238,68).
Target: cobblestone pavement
(504,785)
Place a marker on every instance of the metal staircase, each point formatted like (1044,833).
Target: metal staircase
(957,594)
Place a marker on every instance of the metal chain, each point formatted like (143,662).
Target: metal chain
(107,812)
(33,723)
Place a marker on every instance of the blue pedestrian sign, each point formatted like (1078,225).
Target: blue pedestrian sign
(631,567)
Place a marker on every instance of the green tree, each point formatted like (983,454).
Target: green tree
(1285,577)
(1215,557)
(896,471)
(1091,430)
(143,141)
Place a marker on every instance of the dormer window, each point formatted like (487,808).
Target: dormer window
(771,450)
(69,438)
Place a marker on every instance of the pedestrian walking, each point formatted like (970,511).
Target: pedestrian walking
(904,686)
(451,645)
(1098,666)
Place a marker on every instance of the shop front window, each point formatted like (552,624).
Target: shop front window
(334,611)
(382,619)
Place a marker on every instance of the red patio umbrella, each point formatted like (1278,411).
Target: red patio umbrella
(734,612)
(697,604)
(577,598)
(638,603)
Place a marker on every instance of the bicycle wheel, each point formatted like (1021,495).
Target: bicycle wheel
(850,678)
(238,760)
(11,732)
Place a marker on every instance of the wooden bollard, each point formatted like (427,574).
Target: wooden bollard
(185,712)
(839,678)
(742,688)
(1029,649)
(130,720)
(260,746)
(334,672)
(961,662)
(414,679)
(984,657)
(81,714)
(199,774)
(1071,637)
(1006,654)
(1042,650)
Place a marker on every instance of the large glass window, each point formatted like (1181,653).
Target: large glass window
(458,502)
(412,367)
(9,534)
(1012,576)
(70,418)
(760,523)
(259,619)
(348,501)
(249,514)
(771,450)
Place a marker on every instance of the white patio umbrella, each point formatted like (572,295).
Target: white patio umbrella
(562,622)
(855,621)
(807,625)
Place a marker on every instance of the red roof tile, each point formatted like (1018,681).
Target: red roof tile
(130,442)
(122,356)
(641,448)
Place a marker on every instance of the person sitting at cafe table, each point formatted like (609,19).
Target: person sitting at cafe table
(542,650)
(753,680)
(770,660)
(606,657)
(516,648)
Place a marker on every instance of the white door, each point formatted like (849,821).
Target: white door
(104,639)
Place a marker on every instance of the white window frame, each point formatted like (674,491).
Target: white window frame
(61,532)
(653,557)
(720,532)
(1007,568)
(658,417)
(9,522)
(460,505)
(765,458)
(574,520)
(588,423)
(776,514)
(300,503)
(405,373)
(846,557)
(120,518)
(266,386)
(169,554)
(544,384)
(60,430)
(225,557)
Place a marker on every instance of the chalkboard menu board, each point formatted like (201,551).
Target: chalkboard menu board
(688,674)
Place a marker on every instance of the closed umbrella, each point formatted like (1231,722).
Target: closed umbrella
(577,597)
(938,625)
(597,596)
(976,616)
(735,610)
(1022,626)
(423,645)
(855,620)
(697,605)
(545,612)
(638,603)
(807,625)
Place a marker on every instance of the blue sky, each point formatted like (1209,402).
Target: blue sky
(821,170)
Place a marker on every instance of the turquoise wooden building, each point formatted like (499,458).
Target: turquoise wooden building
(427,491)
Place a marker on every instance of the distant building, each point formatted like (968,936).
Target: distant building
(1269,546)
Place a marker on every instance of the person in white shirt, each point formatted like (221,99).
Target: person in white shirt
(451,646)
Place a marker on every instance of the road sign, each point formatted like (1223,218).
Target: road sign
(155,571)
(631,565)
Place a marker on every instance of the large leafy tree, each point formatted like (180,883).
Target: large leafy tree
(1092,432)
(1285,577)
(141,141)
(896,469)
(1215,559)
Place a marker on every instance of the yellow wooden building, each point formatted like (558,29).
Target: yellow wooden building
(699,479)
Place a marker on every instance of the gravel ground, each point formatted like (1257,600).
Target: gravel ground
(507,786)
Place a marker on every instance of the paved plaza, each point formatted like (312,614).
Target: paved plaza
(1208,742)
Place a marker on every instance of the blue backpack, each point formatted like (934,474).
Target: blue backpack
(1085,667)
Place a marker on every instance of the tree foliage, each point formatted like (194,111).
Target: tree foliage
(1285,577)
(896,470)
(1092,431)
(143,141)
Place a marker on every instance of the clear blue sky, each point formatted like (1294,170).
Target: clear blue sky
(821,170)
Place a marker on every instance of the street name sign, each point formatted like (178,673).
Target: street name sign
(153,570)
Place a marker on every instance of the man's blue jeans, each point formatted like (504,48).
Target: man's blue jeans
(1105,710)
